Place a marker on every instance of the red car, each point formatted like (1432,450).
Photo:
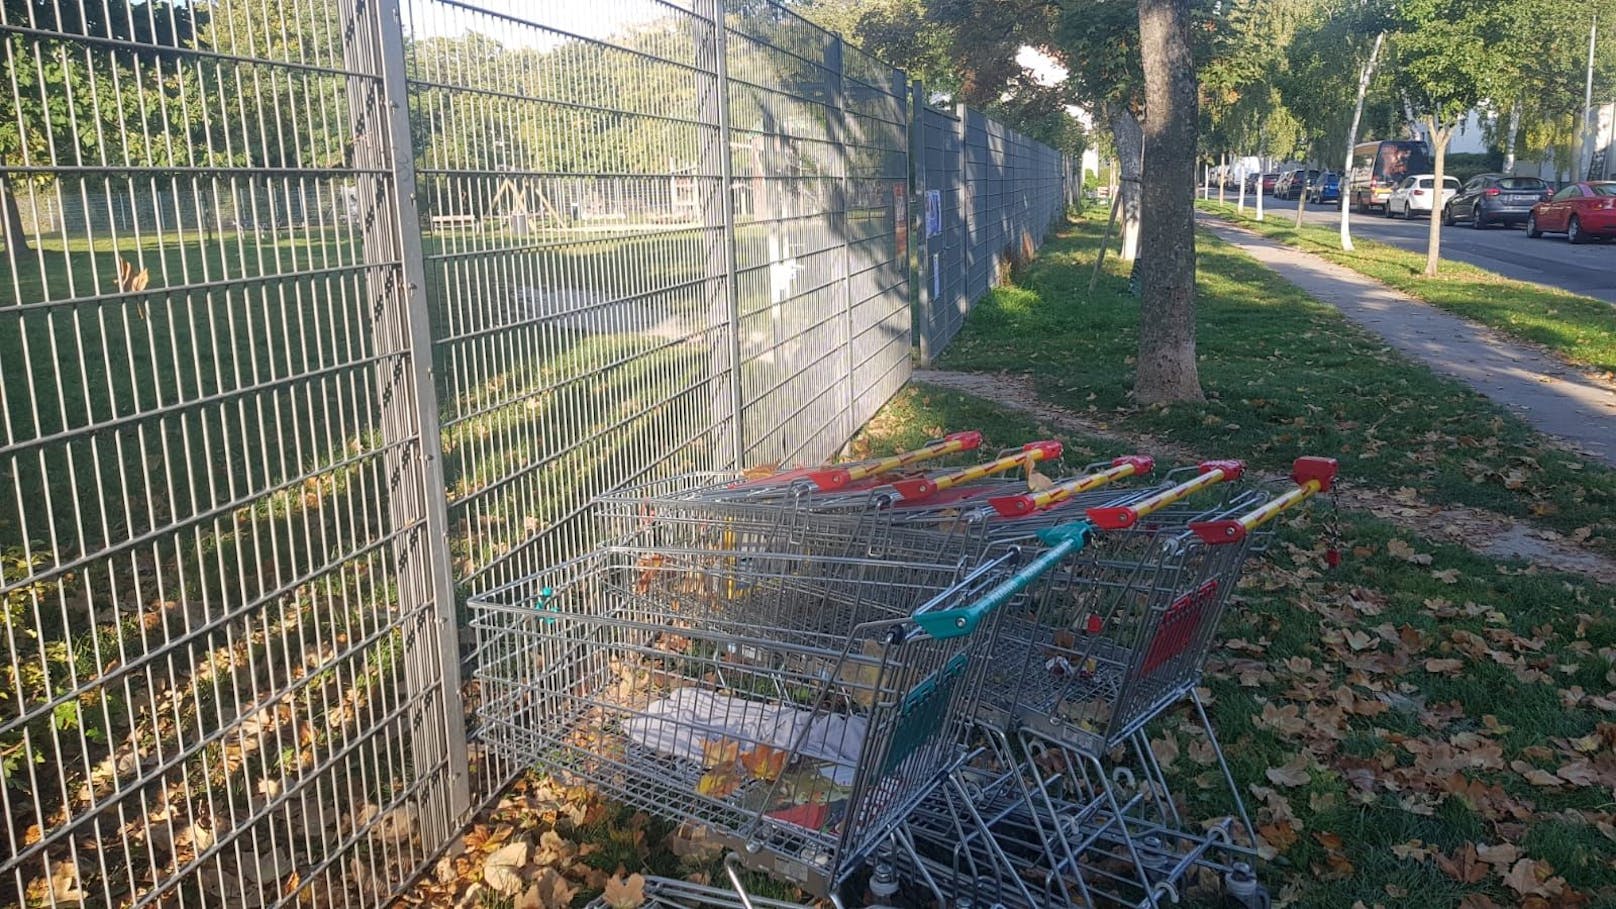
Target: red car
(1581,211)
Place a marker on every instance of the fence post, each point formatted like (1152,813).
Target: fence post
(843,210)
(718,212)
(395,278)
(920,265)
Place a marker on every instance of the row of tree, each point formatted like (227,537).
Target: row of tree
(1173,80)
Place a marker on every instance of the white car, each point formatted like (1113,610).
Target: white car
(1414,195)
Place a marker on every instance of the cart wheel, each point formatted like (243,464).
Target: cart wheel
(1241,889)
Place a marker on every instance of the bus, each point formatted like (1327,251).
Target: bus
(1377,167)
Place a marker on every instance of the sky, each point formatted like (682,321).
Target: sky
(587,18)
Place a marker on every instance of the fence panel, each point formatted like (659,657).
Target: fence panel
(221,524)
(997,195)
(320,315)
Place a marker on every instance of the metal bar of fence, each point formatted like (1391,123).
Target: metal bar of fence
(316,322)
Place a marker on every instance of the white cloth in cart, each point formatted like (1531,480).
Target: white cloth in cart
(678,724)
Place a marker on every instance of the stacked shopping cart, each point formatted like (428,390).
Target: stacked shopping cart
(923,685)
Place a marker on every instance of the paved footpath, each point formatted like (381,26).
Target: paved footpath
(1553,397)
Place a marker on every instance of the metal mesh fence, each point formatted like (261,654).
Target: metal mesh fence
(320,315)
(990,196)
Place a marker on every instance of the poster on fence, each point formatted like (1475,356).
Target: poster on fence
(900,217)
(934,212)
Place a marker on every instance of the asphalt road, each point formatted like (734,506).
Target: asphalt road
(1589,270)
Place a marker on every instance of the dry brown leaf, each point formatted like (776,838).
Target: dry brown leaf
(1579,773)
(625,892)
(502,869)
(765,763)
(1447,575)
(718,783)
(1443,665)
(1535,775)
(1399,549)
(1293,773)
(1530,878)
(1503,854)
(1465,866)
(1286,720)
(1037,482)
(719,752)
(550,890)
(1165,749)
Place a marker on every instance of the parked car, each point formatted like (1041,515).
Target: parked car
(1415,194)
(1495,199)
(1268,181)
(1582,211)
(1293,185)
(1326,188)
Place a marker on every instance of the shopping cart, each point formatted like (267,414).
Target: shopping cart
(959,513)
(1119,636)
(799,706)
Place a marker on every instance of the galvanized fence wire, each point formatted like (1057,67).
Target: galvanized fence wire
(224,675)
(990,197)
(321,315)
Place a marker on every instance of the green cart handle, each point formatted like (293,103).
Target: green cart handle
(1063,540)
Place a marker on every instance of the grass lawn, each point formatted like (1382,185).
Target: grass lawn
(1580,329)
(1362,707)
(1285,376)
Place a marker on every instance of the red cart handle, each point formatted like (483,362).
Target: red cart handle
(1030,454)
(1027,503)
(1311,475)
(1121,517)
(847,474)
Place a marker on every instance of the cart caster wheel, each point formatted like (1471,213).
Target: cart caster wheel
(1242,891)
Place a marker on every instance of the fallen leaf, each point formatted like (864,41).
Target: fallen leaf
(1529,878)
(550,890)
(502,868)
(765,763)
(1447,575)
(719,752)
(1465,866)
(1535,775)
(718,783)
(1443,665)
(625,893)
(1504,854)
(1293,774)
(1037,482)
(1399,549)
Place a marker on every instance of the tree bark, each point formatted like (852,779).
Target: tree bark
(1439,150)
(1127,134)
(1241,205)
(1301,199)
(12,235)
(1167,368)
(1364,76)
(1509,138)
(1223,175)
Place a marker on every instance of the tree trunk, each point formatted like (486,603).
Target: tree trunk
(1509,138)
(1261,172)
(1125,131)
(1364,76)
(1223,175)
(1241,205)
(1301,199)
(1439,151)
(12,235)
(1167,368)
